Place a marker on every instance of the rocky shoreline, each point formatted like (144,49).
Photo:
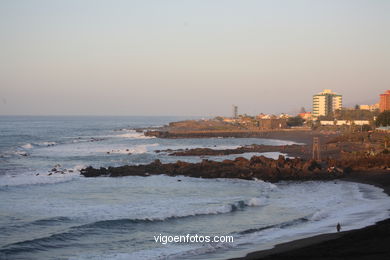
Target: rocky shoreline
(361,157)
(294,150)
(332,146)
(258,167)
(175,134)
(340,153)
(254,148)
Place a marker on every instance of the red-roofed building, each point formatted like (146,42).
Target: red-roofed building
(306,115)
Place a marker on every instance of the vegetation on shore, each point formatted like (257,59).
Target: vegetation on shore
(383,119)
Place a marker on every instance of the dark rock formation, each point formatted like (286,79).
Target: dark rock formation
(259,167)
(207,134)
(294,150)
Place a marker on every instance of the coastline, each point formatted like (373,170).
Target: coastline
(370,242)
(301,145)
(304,136)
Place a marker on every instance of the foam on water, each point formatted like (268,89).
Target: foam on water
(30,146)
(356,215)
(283,212)
(47,143)
(27,146)
(131,134)
(141,209)
(18,152)
(139,149)
(352,212)
(255,202)
(31,178)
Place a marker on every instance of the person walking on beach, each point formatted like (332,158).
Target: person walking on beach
(338,227)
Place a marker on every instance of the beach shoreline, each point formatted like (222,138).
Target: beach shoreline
(370,242)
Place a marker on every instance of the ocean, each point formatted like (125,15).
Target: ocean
(62,215)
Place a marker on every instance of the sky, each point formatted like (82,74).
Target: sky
(189,57)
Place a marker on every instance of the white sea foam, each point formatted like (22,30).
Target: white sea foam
(33,178)
(90,149)
(78,140)
(161,212)
(267,185)
(47,143)
(22,153)
(355,215)
(78,167)
(147,207)
(27,146)
(139,149)
(41,177)
(353,211)
(132,134)
(319,215)
(161,198)
(255,202)
(30,146)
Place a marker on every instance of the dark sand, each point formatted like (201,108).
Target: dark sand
(369,243)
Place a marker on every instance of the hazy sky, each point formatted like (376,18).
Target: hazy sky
(189,57)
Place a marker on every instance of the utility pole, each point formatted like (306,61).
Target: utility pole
(316,149)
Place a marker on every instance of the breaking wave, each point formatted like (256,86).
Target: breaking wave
(132,134)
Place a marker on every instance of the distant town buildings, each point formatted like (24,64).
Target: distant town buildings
(369,107)
(326,102)
(268,116)
(272,123)
(259,122)
(344,122)
(384,101)
(327,105)
(305,115)
(284,116)
(263,116)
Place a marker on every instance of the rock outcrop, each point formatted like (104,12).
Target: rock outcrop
(258,167)
(293,150)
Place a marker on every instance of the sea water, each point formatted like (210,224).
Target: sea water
(67,216)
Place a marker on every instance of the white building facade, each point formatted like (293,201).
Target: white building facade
(326,103)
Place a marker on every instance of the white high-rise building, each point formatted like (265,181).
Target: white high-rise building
(326,102)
